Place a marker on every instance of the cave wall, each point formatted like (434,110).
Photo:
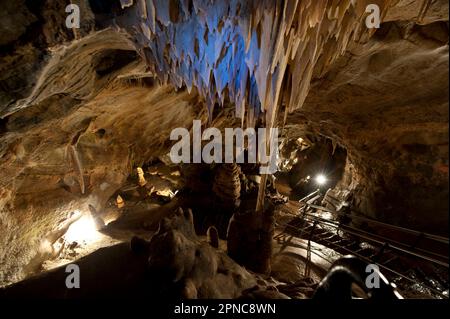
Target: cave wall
(41,182)
(386,102)
(74,140)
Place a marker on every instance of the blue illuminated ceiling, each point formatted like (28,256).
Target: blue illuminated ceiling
(257,53)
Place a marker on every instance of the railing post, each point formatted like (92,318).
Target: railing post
(308,251)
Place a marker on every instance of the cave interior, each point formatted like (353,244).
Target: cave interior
(352,116)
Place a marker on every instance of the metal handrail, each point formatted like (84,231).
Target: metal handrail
(366,259)
(381,240)
(438,238)
(308,214)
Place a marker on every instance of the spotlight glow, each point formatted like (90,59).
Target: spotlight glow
(82,230)
(321,179)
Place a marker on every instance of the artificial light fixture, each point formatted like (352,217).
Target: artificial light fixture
(321,179)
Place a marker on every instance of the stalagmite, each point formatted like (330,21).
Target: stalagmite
(120,202)
(227,185)
(140,172)
(213,236)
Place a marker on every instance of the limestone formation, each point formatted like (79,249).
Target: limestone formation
(182,265)
(263,52)
(249,238)
(120,202)
(213,236)
(81,109)
(140,172)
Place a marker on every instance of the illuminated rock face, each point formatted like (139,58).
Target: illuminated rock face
(174,263)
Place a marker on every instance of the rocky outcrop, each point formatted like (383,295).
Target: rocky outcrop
(183,266)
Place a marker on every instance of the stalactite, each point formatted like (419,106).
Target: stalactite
(245,50)
(77,166)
